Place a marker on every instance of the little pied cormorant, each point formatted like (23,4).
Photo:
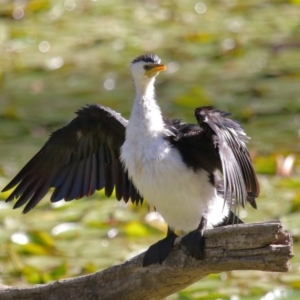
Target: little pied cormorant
(172,164)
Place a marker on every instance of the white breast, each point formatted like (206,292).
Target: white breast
(179,194)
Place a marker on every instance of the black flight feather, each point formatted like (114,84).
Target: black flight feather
(78,159)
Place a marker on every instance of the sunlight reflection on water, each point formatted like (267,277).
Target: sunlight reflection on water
(109,84)
(69,5)
(200,8)
(278,293)
(19,238)
(44,46)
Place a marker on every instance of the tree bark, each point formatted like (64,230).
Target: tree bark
(257,246)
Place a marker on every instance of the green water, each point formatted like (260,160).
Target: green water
(236,55)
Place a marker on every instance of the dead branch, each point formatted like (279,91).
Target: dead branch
(258,246)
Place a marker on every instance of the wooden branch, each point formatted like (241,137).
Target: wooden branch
(258,246)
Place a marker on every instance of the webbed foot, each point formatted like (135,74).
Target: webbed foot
(194,240)
(158,252)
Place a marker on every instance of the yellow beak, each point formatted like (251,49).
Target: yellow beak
(159,68)
(155,69)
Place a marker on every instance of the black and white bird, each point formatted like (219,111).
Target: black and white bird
(173,165)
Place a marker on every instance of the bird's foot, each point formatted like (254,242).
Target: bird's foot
(194,243)
(158,252)
(194,240)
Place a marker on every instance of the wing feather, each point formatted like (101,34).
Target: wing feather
(100,181)
(239,178)
(77,160)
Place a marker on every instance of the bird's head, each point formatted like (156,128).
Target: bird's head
(144,69)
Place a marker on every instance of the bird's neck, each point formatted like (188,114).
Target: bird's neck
(145,89)
(146,115)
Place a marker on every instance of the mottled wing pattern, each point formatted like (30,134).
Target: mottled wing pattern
(77,160)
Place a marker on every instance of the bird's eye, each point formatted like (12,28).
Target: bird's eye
(147,67)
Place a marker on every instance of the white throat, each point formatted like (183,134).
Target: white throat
(145,141)
(144,87)
(146,117)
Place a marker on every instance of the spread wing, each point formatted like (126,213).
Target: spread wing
(77,160)
(228,137)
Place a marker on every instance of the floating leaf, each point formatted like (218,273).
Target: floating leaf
(195,97)
(34,249)
(41,238)
(31,274)
(135,229)
(59,271)
(296,203)
(265,164)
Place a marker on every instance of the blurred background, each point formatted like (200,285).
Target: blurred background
(58,55)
